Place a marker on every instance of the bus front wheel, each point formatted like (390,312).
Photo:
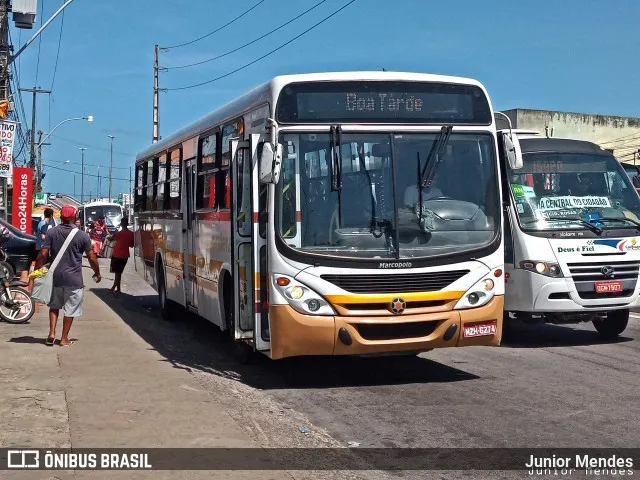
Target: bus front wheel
(612,326)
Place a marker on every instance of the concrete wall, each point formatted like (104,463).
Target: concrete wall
(622,134)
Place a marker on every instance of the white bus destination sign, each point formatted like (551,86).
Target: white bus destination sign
(383,102)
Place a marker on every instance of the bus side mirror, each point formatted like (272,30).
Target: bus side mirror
(512,151)
(270,163)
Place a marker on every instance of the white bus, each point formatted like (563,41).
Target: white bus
(572,241)
(89,212)
(292,217)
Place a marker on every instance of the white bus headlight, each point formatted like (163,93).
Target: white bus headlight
(480,294)
(548,269)
(301,298)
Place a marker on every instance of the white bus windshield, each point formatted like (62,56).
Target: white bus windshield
(112,214)
(377,213)
(563,191)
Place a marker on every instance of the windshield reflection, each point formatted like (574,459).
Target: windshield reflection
(378,213)
(560,191)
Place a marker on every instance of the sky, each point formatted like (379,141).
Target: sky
(578,56)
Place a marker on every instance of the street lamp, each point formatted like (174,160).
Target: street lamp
(88,119)
(82,149)
(110,165)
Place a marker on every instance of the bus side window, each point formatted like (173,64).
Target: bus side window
(160,184)
(207,171)
(151,170)
(174,180)
(140,191)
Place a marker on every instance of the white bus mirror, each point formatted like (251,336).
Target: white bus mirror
(270,163)
(512,151)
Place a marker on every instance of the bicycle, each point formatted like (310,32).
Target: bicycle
(16,304)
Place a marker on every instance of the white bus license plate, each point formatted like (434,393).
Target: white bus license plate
(608,287)
(479,329)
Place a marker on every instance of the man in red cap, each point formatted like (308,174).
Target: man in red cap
(68,286)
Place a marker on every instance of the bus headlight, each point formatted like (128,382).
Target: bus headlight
(480,294)
(301,298)
(548,269)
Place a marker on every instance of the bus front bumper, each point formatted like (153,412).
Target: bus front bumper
(296,334)
(530,292)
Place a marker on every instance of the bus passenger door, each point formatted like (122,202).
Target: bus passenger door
(243,263)
(261,279)
(191,279)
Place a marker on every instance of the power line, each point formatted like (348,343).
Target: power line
(634,134)
(55,68)
(80,173)
(93,147)
(95,165)
(216,30)
(249,43)
(266,54)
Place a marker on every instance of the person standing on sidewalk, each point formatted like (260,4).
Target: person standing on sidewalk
(68,286)
(44,226)
(120,254)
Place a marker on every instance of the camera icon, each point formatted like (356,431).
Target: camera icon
(23,459)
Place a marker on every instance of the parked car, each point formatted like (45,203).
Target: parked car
(20,248)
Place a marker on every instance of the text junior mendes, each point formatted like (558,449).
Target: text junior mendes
(110,461)
(583,462)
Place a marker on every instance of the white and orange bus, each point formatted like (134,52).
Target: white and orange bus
(326,214)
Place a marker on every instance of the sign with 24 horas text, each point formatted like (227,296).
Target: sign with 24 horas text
(7,137)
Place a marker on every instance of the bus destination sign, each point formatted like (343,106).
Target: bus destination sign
(383,102)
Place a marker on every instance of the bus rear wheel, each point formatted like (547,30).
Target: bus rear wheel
(612,326)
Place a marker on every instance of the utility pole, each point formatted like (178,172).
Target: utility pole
(110,166)
(35,91)
(38,170)
(82,149)
(5,53)
(99,189)
(156,95)
(130,193)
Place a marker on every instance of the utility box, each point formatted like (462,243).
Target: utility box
(24,12)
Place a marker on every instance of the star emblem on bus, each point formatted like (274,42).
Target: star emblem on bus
(398,305)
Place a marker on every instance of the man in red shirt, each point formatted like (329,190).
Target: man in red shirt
(120,254)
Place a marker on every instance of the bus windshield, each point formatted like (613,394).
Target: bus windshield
(571,191)
(377,213)
(112,214)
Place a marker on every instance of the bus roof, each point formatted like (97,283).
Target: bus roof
(266,92)
(560,145)
(101,204)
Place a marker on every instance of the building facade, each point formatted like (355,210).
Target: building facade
(621,135)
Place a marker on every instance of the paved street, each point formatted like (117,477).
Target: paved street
(135,380)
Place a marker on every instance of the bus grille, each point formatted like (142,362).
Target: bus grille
(586,274)
(401,283)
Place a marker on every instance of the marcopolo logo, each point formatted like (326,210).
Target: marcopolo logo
(394,265)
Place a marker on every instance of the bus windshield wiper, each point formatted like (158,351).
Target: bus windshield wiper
(623,219)
(590,226)
(336,166)
(434,158)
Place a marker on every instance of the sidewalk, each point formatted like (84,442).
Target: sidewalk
(110,389)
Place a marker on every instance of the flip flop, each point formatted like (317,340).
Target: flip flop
(71,342)
(50,341)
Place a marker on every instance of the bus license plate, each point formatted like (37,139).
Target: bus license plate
(479,329)
(608,287)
